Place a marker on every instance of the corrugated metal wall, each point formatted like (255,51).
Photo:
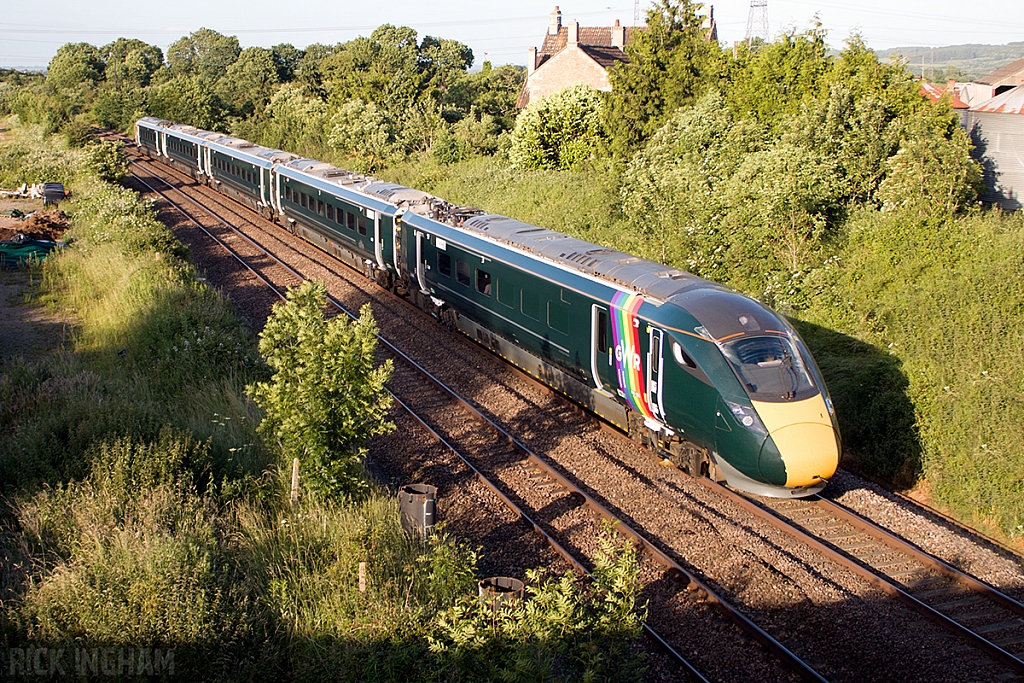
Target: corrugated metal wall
(999,146)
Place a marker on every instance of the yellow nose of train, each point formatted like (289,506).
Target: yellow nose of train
(805,438)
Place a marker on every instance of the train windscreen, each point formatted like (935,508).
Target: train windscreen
(770,368)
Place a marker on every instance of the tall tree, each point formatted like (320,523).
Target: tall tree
(287,58)
(772,82)
(671,63)
(75,65)
(204,53)
(250,81)
(131,62)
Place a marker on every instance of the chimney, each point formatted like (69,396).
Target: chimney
(531,61)
(555,22)
(618,35)
(574,32)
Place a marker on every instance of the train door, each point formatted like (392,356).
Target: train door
(421,263)
(655,365)
(396,241)
(602,361)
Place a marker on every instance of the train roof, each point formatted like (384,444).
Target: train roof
(720,310)
(651,279)
(722,313)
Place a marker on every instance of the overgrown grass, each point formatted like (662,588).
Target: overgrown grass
(945,299)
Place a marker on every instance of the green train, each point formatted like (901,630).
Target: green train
(702,375)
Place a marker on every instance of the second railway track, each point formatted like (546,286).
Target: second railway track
(836,662)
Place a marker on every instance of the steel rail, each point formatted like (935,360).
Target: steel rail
(224,246)
(892,540)
(868,575)
(518,511)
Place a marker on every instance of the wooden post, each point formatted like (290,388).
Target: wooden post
(295,481)
(362,577)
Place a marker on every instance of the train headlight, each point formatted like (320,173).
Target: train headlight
(747,417)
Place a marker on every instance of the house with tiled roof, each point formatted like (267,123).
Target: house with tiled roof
(580,55)
(573,55)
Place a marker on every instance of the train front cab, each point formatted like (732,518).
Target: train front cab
(753,398)
(775,431)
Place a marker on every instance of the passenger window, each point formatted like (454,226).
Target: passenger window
(444,264)
(351,218)
(362,224)
(558,317)
(483,282)
(302,197)
(330,212)
(530,305)
(506,293)
(320,207)
(462,272)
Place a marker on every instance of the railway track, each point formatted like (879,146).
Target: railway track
(965,606)
(513,472)
(572,502)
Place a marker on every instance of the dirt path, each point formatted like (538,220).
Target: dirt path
(27,329)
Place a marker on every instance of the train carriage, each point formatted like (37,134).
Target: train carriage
(701,374)
(348,215)
(638,343)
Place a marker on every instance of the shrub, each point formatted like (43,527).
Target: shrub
(107,160)
(325,397)
(558,132)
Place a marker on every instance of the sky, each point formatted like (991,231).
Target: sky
(499,32)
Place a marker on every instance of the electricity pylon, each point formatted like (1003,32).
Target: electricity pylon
(757,22)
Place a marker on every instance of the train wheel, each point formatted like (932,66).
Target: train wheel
(449,318)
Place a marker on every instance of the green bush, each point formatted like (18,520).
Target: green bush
(107,160)
(570,629)
(560,131)
(326,397)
